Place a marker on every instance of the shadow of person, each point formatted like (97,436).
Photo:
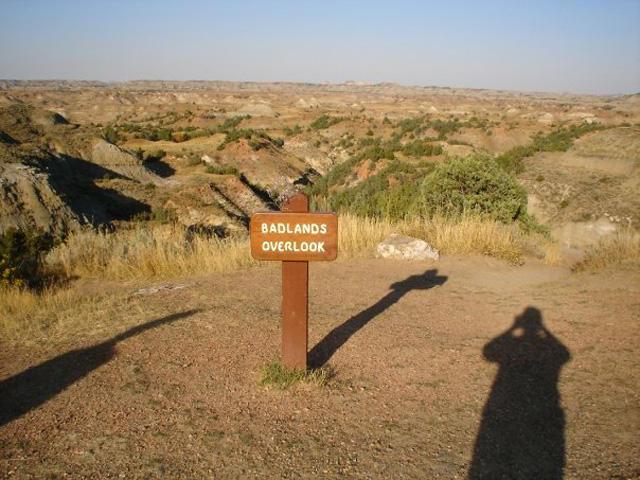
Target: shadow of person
(30,389)
(324,350)
(521,434)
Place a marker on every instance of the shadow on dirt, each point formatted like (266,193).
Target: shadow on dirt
(329,345)
(31,388)
(521,434)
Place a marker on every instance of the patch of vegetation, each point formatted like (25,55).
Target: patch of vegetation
(367,142)
(123,131)
(418,148)
(346,141)
(474,184)
(295,130)
(112,135)
(277,376)
(21,254)
(325,121)
(221,170)
(193,160)
(161,216)
(559,140)
(257,139)
(621,247)
(232,123)
(387,194)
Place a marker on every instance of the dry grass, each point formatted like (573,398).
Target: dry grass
(85,313)
(358,236)
(21,312)
(161,252)
(469,235)
(622,247)
(148,252)
(554,254)
(275,375)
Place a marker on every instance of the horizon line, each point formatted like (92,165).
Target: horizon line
(356,83)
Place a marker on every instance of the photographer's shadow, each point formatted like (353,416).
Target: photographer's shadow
(327,347)
(521,435)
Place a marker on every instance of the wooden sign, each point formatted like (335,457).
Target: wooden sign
(294,236)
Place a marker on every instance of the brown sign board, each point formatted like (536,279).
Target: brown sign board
(281,236)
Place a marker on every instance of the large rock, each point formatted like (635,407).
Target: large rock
(407,248)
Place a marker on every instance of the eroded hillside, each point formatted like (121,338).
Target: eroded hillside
(211,153)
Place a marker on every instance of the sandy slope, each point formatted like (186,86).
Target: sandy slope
(412,396)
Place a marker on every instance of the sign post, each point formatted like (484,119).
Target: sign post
(295,237)
(295,301)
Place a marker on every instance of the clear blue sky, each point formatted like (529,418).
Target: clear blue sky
(582,46)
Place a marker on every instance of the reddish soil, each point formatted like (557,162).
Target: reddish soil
(463,368)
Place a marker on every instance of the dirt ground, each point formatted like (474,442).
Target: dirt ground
(468,367)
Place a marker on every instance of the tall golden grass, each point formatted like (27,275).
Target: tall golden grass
(157,252)
(616,249)
(148,252)
(84,313)
(163,252)
(468,235)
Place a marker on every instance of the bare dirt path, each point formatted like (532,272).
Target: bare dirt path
(466,367)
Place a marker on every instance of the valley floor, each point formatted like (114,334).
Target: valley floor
(468,367)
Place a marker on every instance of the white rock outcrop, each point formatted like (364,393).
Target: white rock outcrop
(406,248)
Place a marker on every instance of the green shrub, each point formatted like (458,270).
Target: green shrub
(112,135)
(21,256)
(419,148)
(232,123)
(559,140)
(474,184)
(290,132)
(221,170)
(325,121)
(193,160)
(165,215)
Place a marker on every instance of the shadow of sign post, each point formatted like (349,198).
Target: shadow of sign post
(329,345)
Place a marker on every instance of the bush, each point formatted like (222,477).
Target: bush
(296,130)
(223,170)
(474,184)
(559,140)
(193,160)
(21,256)
(112,135)
(325,121)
